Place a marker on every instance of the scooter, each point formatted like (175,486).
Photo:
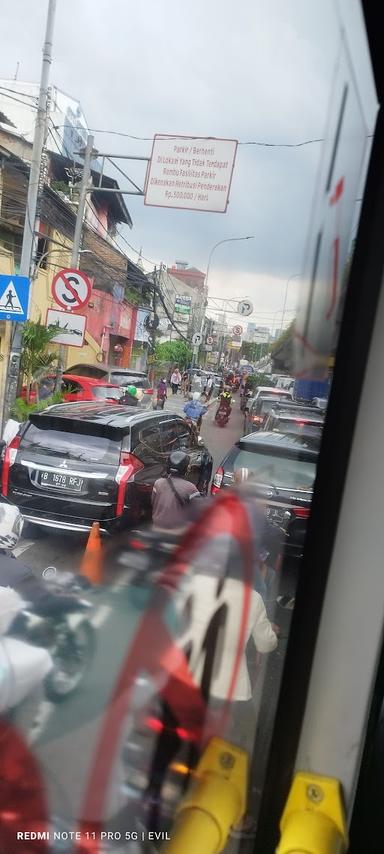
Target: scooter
(222,416)
(65,631)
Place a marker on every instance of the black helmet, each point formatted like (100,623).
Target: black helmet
(178,463)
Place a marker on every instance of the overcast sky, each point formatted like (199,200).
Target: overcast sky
(250,70)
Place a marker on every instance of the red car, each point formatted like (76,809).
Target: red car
(75,388)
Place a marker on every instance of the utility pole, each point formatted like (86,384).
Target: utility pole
(77,237)
(30,212)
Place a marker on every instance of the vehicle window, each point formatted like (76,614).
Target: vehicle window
(71,446)
(169,437)
(297,427)
(148,448)
(277,471)
(129,379)
(87,371)
(104,392)
(186,436)
(71,387)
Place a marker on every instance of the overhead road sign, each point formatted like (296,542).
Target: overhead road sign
(14,298)
(193,173)
(70,327)
(71,289)
(245,308)
(197,339)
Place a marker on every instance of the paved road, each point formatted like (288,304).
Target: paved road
(70,732)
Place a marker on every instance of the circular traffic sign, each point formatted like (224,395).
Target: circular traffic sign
(209,339)
(197,338)
(245,307)
(237,330)
(71,288)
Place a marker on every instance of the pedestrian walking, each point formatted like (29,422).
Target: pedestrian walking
(209,387)
(185,383)
(175,380)
(161,393)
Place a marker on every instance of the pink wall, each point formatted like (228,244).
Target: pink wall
(109,315)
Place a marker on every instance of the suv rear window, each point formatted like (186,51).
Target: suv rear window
(70,446)
(104,392)
(129,379)
(298,427)
(276,470)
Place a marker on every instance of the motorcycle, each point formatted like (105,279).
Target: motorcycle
(65,631)
(222,417)
(244,400)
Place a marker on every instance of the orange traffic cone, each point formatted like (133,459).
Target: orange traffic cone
(91,564)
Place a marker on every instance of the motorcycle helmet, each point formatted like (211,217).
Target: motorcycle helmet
(196,395)
(11,526)
(132,390)
(178,463)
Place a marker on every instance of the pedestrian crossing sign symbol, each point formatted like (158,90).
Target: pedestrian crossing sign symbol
(14,298)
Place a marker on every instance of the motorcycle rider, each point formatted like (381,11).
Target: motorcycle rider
(195,410)
(225,402)
(171,494)
(130,396)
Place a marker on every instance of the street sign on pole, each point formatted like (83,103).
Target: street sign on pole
(245,308)
(190,172)
(209,339)
(70,327)
(197,339)
(237,330)
(71,289)
(14,298)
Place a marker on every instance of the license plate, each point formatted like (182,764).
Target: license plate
(61,481)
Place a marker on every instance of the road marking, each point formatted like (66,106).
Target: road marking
(26,544)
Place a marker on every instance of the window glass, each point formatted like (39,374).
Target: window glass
(148,448)
(71,446)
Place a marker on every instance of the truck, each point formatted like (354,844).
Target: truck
(307,390)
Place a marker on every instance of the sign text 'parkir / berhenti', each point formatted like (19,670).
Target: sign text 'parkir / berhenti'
(190,172)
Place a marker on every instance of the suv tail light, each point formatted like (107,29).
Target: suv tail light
(129,465)
(9,458)
(301,512)
(217,481)
(148,391)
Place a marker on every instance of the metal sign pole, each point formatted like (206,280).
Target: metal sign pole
(30,212)
(77,238)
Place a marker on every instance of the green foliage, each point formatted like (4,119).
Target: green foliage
(61,187)
(36,357)
(263,380)
(283,339)
(175,352)
(253,352)
(21,409)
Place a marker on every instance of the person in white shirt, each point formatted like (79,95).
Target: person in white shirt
(175,380)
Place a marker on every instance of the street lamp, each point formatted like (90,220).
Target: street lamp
(294,276)
(219,243)
(50,252)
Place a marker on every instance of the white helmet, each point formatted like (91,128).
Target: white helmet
(196,395)
(11,526)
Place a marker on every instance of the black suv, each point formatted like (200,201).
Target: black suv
(284,469)
(77,463)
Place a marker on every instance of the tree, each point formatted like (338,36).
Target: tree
(36,358)
(176,352)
